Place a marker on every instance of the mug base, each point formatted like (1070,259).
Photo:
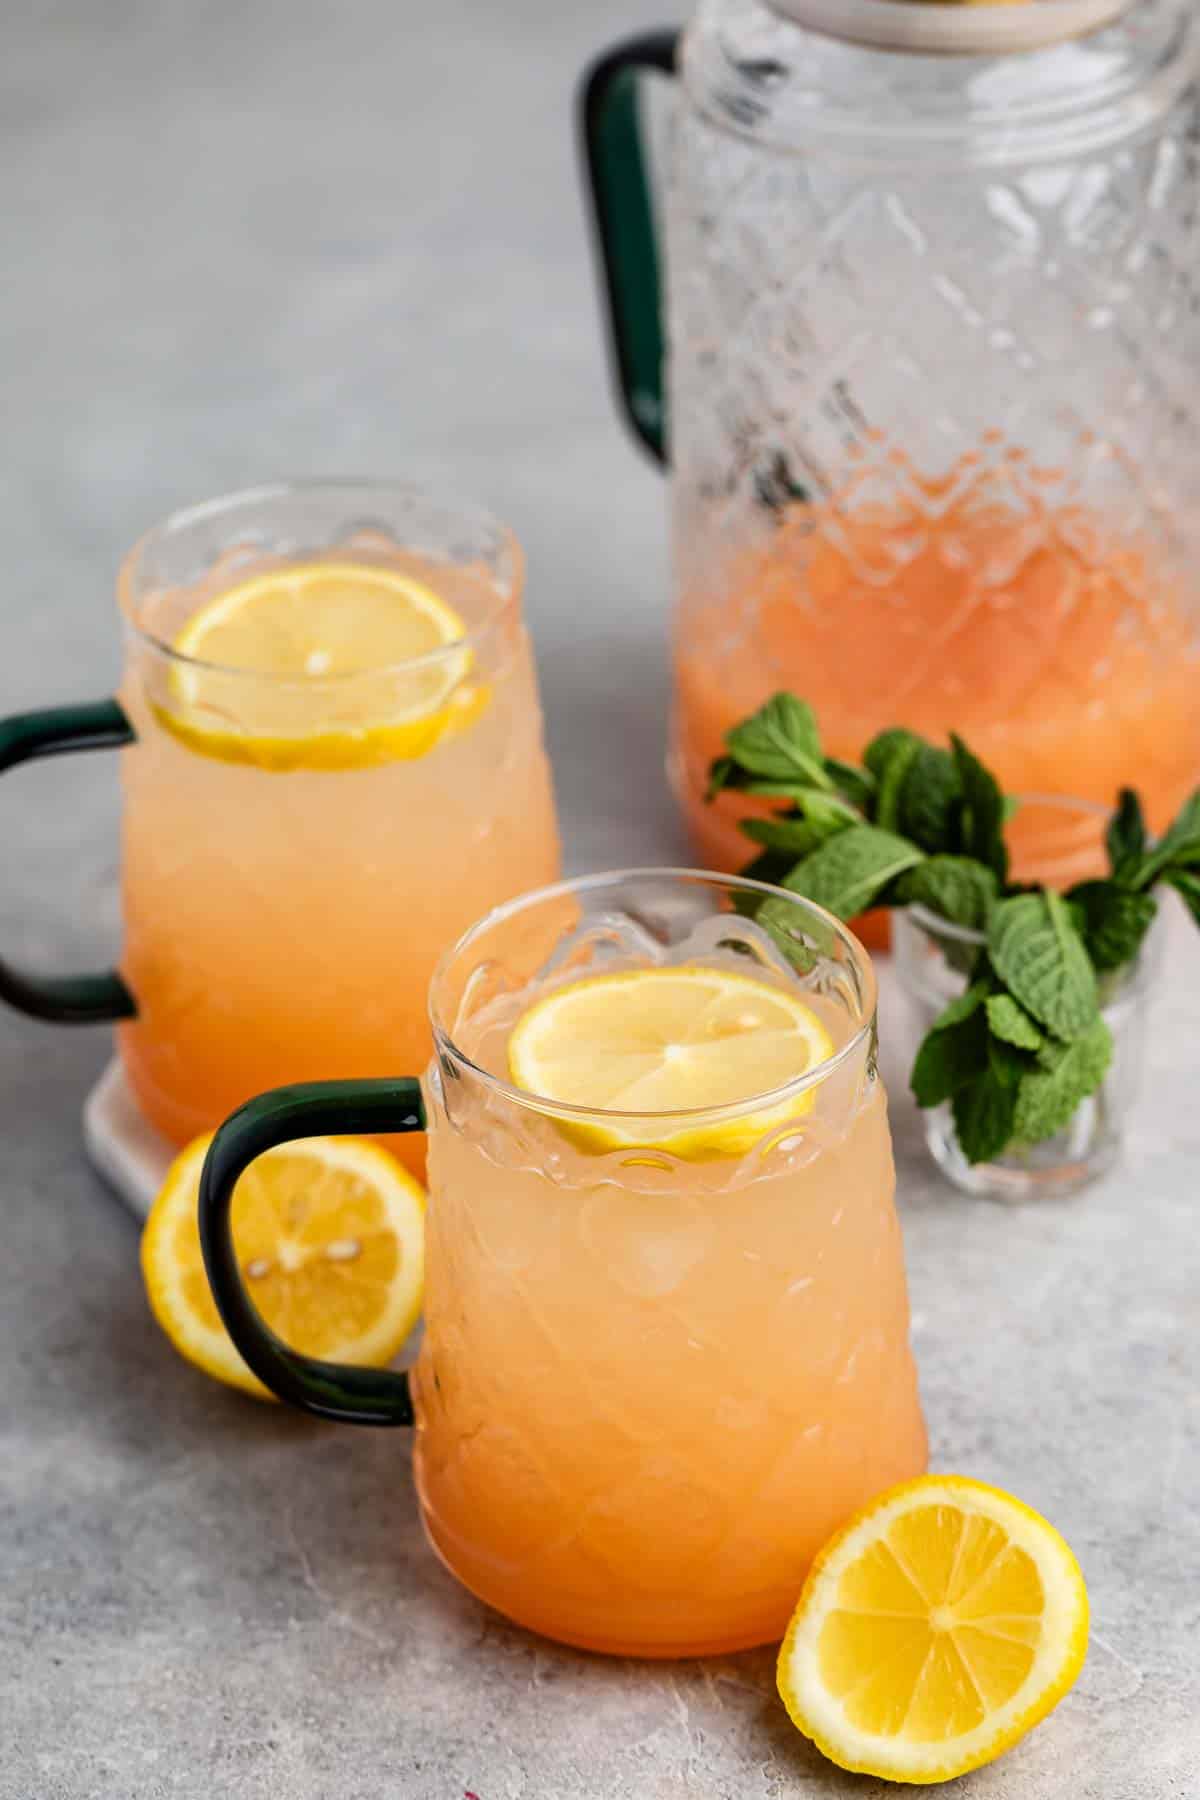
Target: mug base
(550,1624)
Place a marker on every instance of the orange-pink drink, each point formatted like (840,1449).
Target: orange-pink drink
(665,1354)
(983,602)
(338,766)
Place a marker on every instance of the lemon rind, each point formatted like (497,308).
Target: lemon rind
(732,1137)
(405,737)
(212,1350)
(331,752)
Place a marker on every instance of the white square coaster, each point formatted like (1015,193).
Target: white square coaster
(123,1147)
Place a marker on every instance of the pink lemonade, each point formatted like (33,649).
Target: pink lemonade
(1062,653)
(650,1388)
(283,920)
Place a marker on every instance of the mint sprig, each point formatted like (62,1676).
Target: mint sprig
(921,825)
(1011,1024)
(1038,953)
(850,870)
(1066,1075)
(959,890)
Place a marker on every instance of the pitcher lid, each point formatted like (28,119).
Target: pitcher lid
(953,27)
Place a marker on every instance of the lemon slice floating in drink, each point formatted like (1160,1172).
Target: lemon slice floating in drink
(356,663)
(670,1040)
(330,1238)
(938,1628)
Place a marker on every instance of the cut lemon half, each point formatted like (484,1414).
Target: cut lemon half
(938,1628)
(358,660)
(330,1239)
(669,1040)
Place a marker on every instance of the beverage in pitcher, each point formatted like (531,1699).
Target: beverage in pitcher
(338,766)
(667,1325)
(982,600)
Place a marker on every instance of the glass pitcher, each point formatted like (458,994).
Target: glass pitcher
(931,378)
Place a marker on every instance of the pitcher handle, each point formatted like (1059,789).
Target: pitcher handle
(26,737)
(353,1396)
(623,226)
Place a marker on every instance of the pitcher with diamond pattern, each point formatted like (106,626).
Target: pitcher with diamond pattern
(929,381)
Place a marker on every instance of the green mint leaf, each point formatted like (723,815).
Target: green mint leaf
(1051,1053)
(1049,1096)
(801,941)
(983,811)
(964,958)
(984,1111)
(889,758)
(1188,887)
(883,750)
(828,810)
(773,867)
(797,837)
(954,887)
(1041,958)
(1008,1065)
(1126,835)
(804,939)
(891,787)
(828,813)
(1180,847)
(931,802)
(946,1061)
(857,785)
(722,774)
(1115,921)
(953,1052)
(783,789)
(965,1007)
(780,742)
(1011,1023)
(851,870)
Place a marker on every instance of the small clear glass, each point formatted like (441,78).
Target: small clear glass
(933,962)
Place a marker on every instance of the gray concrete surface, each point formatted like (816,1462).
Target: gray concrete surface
(271,237)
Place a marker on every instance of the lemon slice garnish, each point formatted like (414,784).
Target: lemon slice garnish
(669,1040)
(330,1239)
(935,1630)
(339,646)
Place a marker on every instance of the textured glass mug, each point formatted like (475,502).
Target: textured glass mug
(932,352)
(649,1387)
(262,903)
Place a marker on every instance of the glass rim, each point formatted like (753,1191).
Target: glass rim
(680,1119)
(1138,65)
(934,925)
(508,595)
(896,27)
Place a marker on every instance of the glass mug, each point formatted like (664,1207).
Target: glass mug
(290,877)
(649,1388)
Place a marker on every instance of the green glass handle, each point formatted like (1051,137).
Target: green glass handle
(623,222)
(65,999)
(315,1109)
